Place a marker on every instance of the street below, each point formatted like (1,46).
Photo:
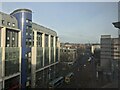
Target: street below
(84,73)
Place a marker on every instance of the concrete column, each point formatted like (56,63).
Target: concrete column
(58,46)
(3,37)
(54,41)
(49,45)
(3,40)
(33,68)
(20,52)
(19,39)
(33,62)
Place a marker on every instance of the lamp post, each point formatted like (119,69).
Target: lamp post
(116,24)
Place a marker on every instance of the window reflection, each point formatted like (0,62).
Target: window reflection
(11,61)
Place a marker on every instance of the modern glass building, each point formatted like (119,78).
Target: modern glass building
(24,18)
(10,52)
(44,55)
(29,52)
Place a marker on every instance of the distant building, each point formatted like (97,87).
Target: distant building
(95,47)
(110,55)
(68,53)
(29,52)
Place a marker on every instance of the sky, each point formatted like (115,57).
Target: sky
(74,22)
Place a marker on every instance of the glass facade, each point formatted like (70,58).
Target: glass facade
(52,55)
(51,41)
(46,40)
(11,61)
(0,85)
(11,38)
(39,79)
(51,73)
(12,83)
(46,61)
(46,75)
(39,39)
(0,62)
(56,41)
(0,37)
(39,61)
(56,55)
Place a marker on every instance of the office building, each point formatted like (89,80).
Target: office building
(68,53)
(110,56)
(10,52)
(36,47)
(44,55)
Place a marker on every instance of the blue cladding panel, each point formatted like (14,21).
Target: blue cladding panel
(21,17)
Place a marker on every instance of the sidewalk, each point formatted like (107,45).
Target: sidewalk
(111,85)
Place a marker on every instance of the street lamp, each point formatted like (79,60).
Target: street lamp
(116,24)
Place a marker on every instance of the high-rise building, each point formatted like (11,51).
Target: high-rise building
(117,25)
(29,52)
(110,56)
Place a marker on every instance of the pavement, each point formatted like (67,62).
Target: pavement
(111,85)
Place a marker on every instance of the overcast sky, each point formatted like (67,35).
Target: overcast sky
(77,22)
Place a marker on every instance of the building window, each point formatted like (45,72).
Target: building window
(3,22)
(8,38)
(13,24)
(11,38)
(39,61)
(46,40)
(11,61)
(27,20)
(56,41)
(8,23)
(39,39)
(51,41)
(26,33)
(8,45)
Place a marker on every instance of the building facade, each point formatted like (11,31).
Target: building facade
(34,50)
(110,57)
(44,55)
(68,53)
(10,52)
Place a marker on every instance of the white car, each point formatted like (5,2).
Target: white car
(89,59)
(84,65)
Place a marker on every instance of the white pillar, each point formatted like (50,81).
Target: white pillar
(3,40)
(58,46)
(20,52)
(54,41)
(33,62)
(49,45)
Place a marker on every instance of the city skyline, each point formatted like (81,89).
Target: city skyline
(73,21)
